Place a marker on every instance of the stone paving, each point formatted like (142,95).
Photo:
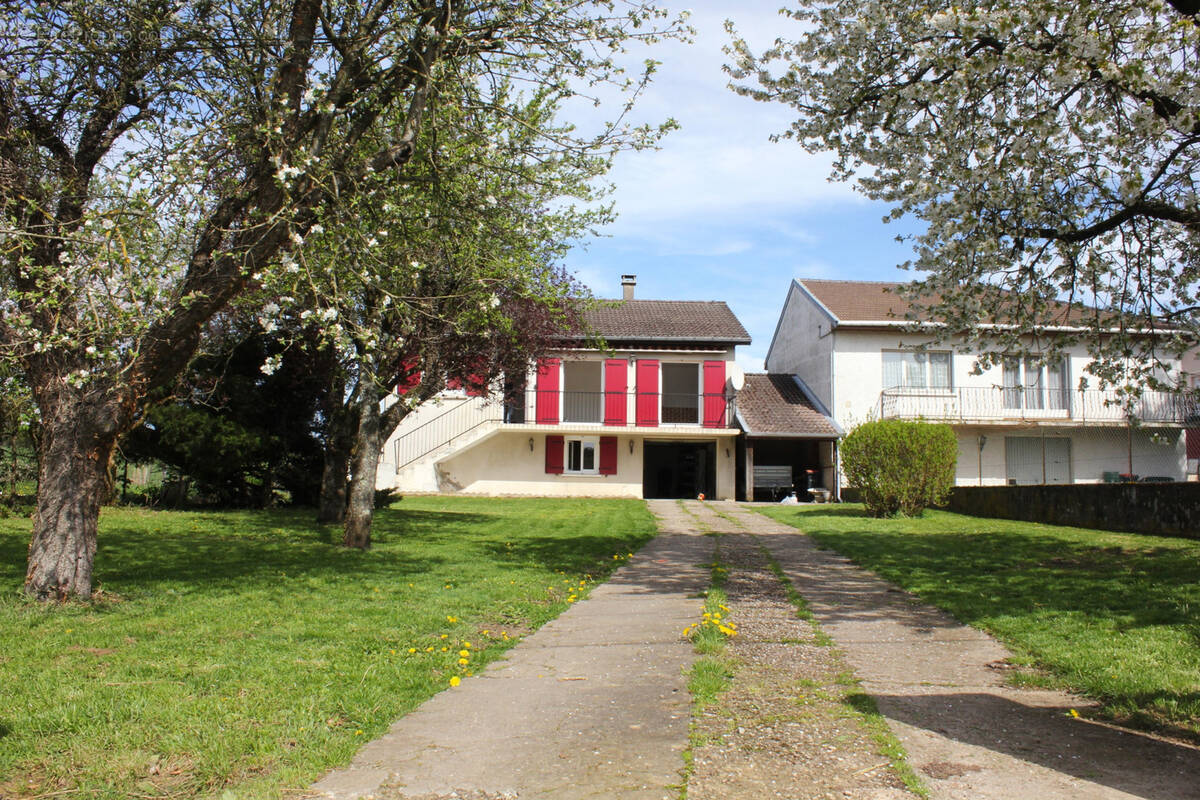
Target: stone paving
(968,735)
(594,704)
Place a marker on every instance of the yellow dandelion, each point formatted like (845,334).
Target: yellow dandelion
(429,649)
(1074,714)
(455,680)
(445,649)
(468,644)
(444,636)
(452,620)
(358,733)
(464,653)
(412,649)
(393,652)
(464,661)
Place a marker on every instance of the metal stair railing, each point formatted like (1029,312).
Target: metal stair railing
(444,430)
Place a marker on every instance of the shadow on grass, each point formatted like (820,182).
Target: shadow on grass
(975,576)
(139,549)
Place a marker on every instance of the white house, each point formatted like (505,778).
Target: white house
(650,417)
(1021,421)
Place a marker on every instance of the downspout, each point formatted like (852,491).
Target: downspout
(837,471)
(837,451)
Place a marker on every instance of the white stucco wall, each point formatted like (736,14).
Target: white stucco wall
(803,345)
(858,373)
(497,460)
(501,462)
(1094,451)
(1095,448)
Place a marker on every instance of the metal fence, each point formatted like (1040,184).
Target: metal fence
(606,410)
(992,404)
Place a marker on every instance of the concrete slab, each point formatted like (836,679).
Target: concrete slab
(592,705)
(969,736)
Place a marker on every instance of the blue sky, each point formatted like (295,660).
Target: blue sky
(720,212)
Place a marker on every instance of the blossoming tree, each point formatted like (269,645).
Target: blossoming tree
(1048,149)
(159,157)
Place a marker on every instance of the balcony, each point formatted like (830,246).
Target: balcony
(630,409)
(686,414)
(994,404)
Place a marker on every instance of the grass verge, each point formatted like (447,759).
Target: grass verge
(710,674)
(1112,616)
(241,653)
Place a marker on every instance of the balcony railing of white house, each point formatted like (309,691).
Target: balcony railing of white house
(995,403)
(605,410)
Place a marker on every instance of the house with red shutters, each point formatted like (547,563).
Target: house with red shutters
(654,415)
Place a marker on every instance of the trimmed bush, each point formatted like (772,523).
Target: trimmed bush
(900,467)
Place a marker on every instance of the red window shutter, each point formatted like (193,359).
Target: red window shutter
(608,455)
(554,455)
(647,392)
(476,385)
(714,394)
(615,373)
(411,378)
(547,395)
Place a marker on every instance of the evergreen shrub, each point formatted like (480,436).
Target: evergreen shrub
(900,467)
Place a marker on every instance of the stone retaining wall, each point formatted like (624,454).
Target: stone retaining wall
(1166,509)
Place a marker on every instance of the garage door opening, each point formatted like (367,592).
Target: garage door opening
(679,470)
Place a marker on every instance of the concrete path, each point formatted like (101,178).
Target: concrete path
(936,681)
(592,705)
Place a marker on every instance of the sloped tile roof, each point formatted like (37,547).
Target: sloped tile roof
(774,404)
(859,301)
(667,320)
(880,301)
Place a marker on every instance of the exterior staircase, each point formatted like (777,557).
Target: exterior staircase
(417,450)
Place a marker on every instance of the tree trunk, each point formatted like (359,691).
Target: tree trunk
(73,480)
(339,442)
(360,510)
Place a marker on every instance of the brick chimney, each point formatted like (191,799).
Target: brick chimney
(628,282)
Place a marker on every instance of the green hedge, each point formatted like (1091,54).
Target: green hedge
(900,467)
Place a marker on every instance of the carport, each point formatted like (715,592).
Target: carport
(788,442)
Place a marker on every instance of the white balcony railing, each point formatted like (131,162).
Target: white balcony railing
(998,404)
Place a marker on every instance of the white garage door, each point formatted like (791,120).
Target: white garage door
(1034,459)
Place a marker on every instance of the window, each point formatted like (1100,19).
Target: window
(910,369)
(681,393)
(1032,383)
(582,398)
(581,456)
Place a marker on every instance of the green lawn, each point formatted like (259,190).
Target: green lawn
(1112,616)
(239,652)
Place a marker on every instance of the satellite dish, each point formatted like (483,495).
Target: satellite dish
(737,378)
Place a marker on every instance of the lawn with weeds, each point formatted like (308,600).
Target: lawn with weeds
(242,654)
(1113,616)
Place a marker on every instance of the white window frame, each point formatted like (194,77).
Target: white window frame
(923,357)
(582,441)
(662,391)
(562,392)
(1034,389)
